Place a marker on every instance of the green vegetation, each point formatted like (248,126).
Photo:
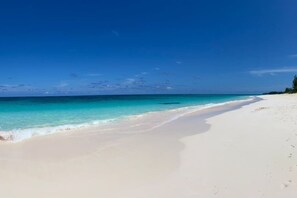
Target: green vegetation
(288,90)
(294,86)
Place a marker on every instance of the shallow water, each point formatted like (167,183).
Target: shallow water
(25,113)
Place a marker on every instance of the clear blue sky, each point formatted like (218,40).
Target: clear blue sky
(153,46)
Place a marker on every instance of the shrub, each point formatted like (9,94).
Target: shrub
(294,84)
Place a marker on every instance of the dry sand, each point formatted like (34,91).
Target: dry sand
(236,150)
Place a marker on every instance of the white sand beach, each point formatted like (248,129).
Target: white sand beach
(246,150)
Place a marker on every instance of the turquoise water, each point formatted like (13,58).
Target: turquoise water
(39,112)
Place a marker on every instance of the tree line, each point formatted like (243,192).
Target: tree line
(288,90)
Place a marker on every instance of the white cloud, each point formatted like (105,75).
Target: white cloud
(93,74)
(13,86)
(293,55)
(129,81)
(62,85)
(141,74)
(116,33)
(178,62)
(273,71)
(16,88)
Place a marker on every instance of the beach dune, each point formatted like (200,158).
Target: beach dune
(242,149)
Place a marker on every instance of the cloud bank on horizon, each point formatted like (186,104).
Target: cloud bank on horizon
(274,71)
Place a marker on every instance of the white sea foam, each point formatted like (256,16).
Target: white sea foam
(18,135)
(23,134)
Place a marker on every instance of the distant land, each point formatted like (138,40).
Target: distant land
(288,90)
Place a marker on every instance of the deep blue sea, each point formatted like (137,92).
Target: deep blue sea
(19,113)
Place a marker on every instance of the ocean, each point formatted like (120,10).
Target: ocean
(28,116)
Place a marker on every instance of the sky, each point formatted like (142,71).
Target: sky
(146,47)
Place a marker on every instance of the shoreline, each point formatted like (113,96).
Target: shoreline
(104,125)
(236,150)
